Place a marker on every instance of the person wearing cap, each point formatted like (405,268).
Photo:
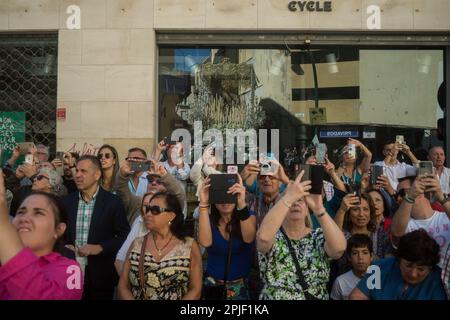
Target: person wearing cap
(158,181)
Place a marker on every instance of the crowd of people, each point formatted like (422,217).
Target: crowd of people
(102,228)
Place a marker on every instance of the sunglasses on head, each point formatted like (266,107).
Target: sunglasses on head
(40,177)
(155,210)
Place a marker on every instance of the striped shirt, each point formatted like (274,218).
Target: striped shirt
(84,216)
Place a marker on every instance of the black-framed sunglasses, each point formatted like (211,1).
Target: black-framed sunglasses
(40,177)
(156,210)
(152,179)
(106,155)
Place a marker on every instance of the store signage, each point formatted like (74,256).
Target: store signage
(318,6)
(369,135)
(339,134)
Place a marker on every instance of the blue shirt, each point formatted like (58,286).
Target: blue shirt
(241,256)
(392,284)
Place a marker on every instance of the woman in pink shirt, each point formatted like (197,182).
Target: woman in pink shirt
(30,269)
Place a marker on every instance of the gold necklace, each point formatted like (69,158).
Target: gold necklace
(158,249)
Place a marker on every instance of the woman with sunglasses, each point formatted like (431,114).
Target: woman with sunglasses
(109,159)
(46,180)
(165,264)
(349,171)
(158,181)
(30,267)
(222,226)
(412,274)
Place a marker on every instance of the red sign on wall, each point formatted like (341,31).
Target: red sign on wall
(61,114)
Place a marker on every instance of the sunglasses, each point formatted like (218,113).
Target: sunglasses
(264,177)
(106,155)
(40,177)
(151,179)
(155,210)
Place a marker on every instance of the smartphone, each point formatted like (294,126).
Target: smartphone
(60,156)
(351,150)
(425,167)
(400,139)
(29,159)
(315,174)
(141,166)
(232,169)
(375,173)
(169,142)
(24,147)
(218,192)
(321,151)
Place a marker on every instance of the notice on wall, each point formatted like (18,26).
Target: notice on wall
(12,132)
(318,116)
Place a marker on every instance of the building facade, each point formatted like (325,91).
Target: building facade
(128,72)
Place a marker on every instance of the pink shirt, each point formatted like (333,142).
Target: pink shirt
(51,277)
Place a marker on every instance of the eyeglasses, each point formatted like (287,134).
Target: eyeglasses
(106,155)
(156,210)
(40,177)
(152,179)
(131,159)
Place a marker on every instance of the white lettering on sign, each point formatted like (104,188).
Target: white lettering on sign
(374,280)
(7,138)
(74,20)
(374,20)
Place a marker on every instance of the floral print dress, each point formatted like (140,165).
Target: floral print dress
(167,279)
(278,269)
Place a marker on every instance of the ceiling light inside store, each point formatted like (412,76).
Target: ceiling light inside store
(332,64)
(277,64)
(425,64)
(49,63)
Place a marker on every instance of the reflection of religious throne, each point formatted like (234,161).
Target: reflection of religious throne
(223,97)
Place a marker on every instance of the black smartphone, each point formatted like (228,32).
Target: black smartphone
(220,183)
(375,173)
(169,142)
(315,174)
(141,166)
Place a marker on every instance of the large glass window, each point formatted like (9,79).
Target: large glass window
(334,93)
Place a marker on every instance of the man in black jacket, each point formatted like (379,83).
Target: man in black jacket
(96,230)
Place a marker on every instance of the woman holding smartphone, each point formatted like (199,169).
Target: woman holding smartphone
(227,231)
(349,171)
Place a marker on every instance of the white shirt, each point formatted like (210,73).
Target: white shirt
(437,226)
(138,229)
(344,285)
(142,185)
(444,179)
(397,171)
(180,174)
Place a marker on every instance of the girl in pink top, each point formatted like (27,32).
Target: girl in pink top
(30,269)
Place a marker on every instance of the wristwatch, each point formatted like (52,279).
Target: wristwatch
(445,200)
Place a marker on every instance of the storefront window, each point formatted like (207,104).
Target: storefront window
(369,94)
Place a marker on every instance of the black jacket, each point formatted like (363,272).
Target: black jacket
(109,228)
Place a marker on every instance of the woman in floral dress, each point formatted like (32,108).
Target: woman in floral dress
(171,267)
(313,249)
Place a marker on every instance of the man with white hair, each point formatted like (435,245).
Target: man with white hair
(437,156)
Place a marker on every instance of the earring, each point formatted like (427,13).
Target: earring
(170,223)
